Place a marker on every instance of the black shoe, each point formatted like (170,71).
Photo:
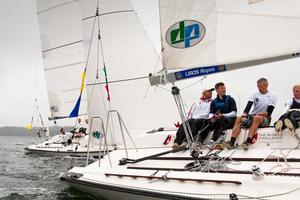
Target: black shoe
(245,145)
(228,145)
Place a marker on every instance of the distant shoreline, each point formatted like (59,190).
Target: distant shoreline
(22,131)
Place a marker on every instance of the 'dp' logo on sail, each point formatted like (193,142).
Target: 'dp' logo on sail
(184,34)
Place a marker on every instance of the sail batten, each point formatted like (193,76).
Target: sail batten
(62,51)
(49,7)
(108,13)
(61,46)
(62,66)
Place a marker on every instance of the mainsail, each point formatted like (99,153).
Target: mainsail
(125,51)
(62,49)
(224,35)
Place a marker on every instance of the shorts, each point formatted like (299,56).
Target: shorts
(265,123)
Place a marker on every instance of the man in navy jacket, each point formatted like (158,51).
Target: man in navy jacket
(223,112)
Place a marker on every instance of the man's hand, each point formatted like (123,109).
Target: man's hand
(213,120)
(218,115)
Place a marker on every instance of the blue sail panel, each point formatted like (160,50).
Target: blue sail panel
(75,110)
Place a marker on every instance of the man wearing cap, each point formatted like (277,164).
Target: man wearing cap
(197,118)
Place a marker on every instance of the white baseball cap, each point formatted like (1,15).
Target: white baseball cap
(208,89)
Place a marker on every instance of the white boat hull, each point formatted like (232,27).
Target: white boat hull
(56,146)
(165,176)
(103,190)
(59,152)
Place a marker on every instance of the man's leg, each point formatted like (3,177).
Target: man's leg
(257,121)
(221,124)
(235,132)
(216,134)
(236,127)
(279,125)
(202,128)
(295,117)
(180,135)
(195,126)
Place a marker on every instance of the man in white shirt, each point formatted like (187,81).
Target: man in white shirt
(81,128)
(291,111)
(197,119)
(263,103)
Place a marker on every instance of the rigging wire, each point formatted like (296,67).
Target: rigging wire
(111,124)
(88,56)
(97,81)
(149,85)
(196,82)
(36,114)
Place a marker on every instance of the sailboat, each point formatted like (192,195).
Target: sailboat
(63,62)
(201,37)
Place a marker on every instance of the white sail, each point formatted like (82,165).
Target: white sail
(269,169)
(62,49)
(128,54)
(216,32)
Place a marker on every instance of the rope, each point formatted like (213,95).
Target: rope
(268,196)
(214,162)
(287,166)
(192,84)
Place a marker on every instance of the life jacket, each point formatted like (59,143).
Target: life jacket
(222,106)
(295,104)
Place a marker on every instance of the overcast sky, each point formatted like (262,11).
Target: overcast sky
(21,74)
(20,63)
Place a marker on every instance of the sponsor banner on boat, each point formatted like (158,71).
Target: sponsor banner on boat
(201,71)
(268,138)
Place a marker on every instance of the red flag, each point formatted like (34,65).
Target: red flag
(167,140)
(177,125)
(107,90)
(106,81)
